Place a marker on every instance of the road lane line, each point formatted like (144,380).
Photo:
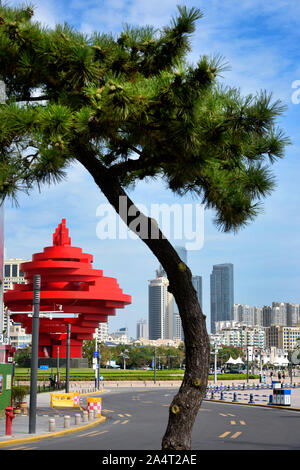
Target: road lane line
(224,434)
(234,436)
(126,421)
(232,422)
(243,423)
(88,433)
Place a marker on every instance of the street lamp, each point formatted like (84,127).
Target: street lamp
(124,355)
(215,364)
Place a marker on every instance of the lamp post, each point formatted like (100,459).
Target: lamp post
(68,357)
(247,365)
(215,365)
(155,364)
(124,355)
(34,352)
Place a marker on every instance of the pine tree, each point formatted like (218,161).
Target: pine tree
(128,108)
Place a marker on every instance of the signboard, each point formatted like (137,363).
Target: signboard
(44,367)
(8,382)
(96,353)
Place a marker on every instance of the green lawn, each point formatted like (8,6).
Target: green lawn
(119,374)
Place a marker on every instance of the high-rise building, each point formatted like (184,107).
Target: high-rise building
(102,332)
(267,311)
(197,283)
(160,317)
(142,329)
(221,294)
(12,275)
(247,314)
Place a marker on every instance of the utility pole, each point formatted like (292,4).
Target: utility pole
(98,363)
(68,357)
(57,366)
(34,353)
(215,365)
(247,365)
(155,364)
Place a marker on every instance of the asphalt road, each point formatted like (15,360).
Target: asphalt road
(137,419)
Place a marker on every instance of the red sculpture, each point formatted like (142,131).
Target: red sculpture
(70,284)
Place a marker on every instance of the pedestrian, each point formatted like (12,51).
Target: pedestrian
(283,375)
(279,375)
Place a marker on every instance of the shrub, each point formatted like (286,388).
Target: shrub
(18,393)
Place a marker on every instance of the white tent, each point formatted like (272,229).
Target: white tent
(230,361)
(239,361)
(234,361)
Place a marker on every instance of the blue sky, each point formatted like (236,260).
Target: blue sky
(260,41)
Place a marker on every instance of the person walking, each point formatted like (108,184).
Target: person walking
(279,375)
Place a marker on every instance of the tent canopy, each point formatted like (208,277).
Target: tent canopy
(234,361)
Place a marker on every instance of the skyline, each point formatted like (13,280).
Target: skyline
(259,41)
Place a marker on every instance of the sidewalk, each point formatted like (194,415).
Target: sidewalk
(20,424)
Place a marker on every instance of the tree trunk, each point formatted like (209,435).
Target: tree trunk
(185,404)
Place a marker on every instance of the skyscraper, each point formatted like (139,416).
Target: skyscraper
(221,294)
(142,329)
(197,283)
(160,318)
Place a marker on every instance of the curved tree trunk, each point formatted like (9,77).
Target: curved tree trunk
(185,405)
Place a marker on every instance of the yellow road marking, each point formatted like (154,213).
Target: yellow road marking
(225,434)
(89,433)
(232,422)
(243,423)
(222,414)
(99,432)
(121,416)
(109,411)
(115,422)
(234,436)
(18,448)
(126,421)
(127,414)
(229,414)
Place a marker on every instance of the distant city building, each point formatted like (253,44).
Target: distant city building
(142,329)
(197,283)
(221,294)
(18,337)
(12,273)
(282,337)
(160,313)
(102,332)
(119,337)
(250,315)
(240,335)
(267,311)
(178,330)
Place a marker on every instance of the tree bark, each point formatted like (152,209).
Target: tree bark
(186,403)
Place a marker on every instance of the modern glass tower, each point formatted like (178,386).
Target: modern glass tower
(221,294)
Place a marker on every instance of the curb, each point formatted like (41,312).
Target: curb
(54,434)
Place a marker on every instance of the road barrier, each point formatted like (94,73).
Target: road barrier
(94,404)
(64,399)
